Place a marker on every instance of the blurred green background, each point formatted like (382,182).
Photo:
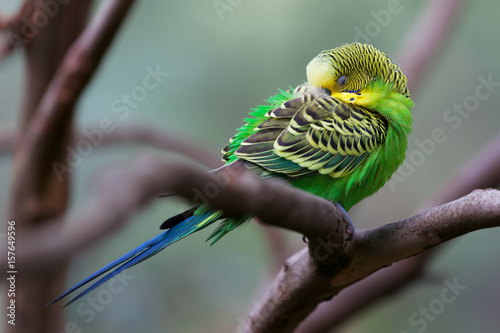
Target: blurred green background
(222,64)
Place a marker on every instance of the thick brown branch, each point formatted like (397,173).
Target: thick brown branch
(274,202)
(238,193)
(300,287)
(396,241)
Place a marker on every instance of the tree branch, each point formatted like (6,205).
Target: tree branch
(14,22)
(364,293)
(299,287)
(240,192)
(12,27)
(309,277)
(54,113)
(161,138)
(164,139)
(6,141)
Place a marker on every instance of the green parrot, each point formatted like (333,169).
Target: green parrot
(340,136)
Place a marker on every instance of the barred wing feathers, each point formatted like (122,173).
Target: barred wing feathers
(314,133)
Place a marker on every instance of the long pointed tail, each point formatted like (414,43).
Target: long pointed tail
(144,251)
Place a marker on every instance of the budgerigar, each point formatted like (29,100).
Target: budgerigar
(340,136)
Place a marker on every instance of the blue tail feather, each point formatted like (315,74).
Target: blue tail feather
(143,252)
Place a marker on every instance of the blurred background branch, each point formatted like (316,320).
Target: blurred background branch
(134,134)
(61,57)
(427,38)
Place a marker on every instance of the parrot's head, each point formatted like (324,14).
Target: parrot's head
(352,67)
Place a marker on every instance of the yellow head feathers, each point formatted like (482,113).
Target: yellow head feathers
(352,67)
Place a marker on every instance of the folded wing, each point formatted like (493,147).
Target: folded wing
(314,133)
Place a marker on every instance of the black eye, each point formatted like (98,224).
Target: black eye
(342,81)
(327,91)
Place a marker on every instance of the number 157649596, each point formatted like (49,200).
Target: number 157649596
(11,245)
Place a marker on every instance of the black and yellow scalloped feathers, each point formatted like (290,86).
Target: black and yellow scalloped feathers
(258,115)
(362,63)
(314,133)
